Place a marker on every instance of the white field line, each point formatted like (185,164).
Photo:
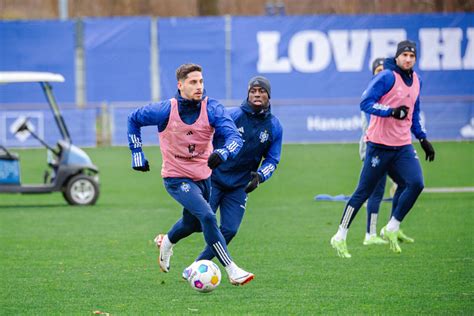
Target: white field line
(448,190)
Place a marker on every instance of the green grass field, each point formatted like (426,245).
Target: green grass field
(56,259)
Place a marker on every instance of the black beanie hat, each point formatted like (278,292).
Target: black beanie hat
(260,81)
(406,46)
(377,62)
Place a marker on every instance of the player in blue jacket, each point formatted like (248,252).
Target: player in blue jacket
(186,126)
(392,99)
(373,203)
(234,179)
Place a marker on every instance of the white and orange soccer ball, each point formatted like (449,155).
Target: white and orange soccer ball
(204,276)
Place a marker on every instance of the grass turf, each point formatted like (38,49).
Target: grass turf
(57,259)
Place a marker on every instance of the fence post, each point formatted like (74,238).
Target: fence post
(155,61)
(228,57)
(80,65)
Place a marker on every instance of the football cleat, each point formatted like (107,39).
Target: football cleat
(239,276)
(166,251)
(392,238)
(158,239)
(374,240)
(404,238)
(341,247)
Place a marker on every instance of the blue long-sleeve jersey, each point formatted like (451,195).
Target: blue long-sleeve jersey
(158,114)
(262,134)
(380,85)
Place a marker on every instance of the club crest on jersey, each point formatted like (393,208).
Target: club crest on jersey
(241,130)
(263,136)
(375,161)
(185,187)
(191,148)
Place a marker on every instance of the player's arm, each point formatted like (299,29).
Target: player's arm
(271,160)
(272,157)
(224,127)
(419,131)
(378,87)
(153,114)
(417,127)
(365,118)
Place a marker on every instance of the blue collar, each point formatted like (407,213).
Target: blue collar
(247,108)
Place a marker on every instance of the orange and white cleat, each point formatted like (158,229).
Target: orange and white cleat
(166,251)
(238,276)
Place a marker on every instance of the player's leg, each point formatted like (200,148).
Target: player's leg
(373,206)
(406,171)
(186,225)
(237,276)
(215,202)
(396,197)
(232,212)
(194,196)
(374,167)
(232,209)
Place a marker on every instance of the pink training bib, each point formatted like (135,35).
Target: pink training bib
(186,148)
(388,130)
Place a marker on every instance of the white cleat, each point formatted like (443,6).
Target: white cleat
(158,239)
(239,276)
(166,251)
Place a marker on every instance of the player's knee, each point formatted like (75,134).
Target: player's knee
(417,185)
(209,219)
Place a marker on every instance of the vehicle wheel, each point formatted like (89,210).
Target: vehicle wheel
(81,190)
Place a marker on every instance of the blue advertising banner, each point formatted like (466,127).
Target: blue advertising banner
(329,56)
(117,57)
(80,123)
(37,46)
(318,67)
(192,40)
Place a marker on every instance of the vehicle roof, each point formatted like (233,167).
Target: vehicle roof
(29,76)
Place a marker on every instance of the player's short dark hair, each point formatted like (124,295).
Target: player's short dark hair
(185,69)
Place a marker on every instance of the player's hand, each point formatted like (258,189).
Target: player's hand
(400,113)
(214,160)
(428,148)
(139,162)
(253,183)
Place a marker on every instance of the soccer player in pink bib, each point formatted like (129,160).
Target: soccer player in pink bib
(392,100)
(186,126)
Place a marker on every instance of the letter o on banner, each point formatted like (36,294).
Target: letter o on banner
(299,51)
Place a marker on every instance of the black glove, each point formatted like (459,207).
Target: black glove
(253,183)
(428,148)
(214,161)
(144,168)
(400,113)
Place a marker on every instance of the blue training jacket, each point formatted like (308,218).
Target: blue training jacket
(262,134)
(380,85)
(158,114)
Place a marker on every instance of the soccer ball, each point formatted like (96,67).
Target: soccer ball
(204,276)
